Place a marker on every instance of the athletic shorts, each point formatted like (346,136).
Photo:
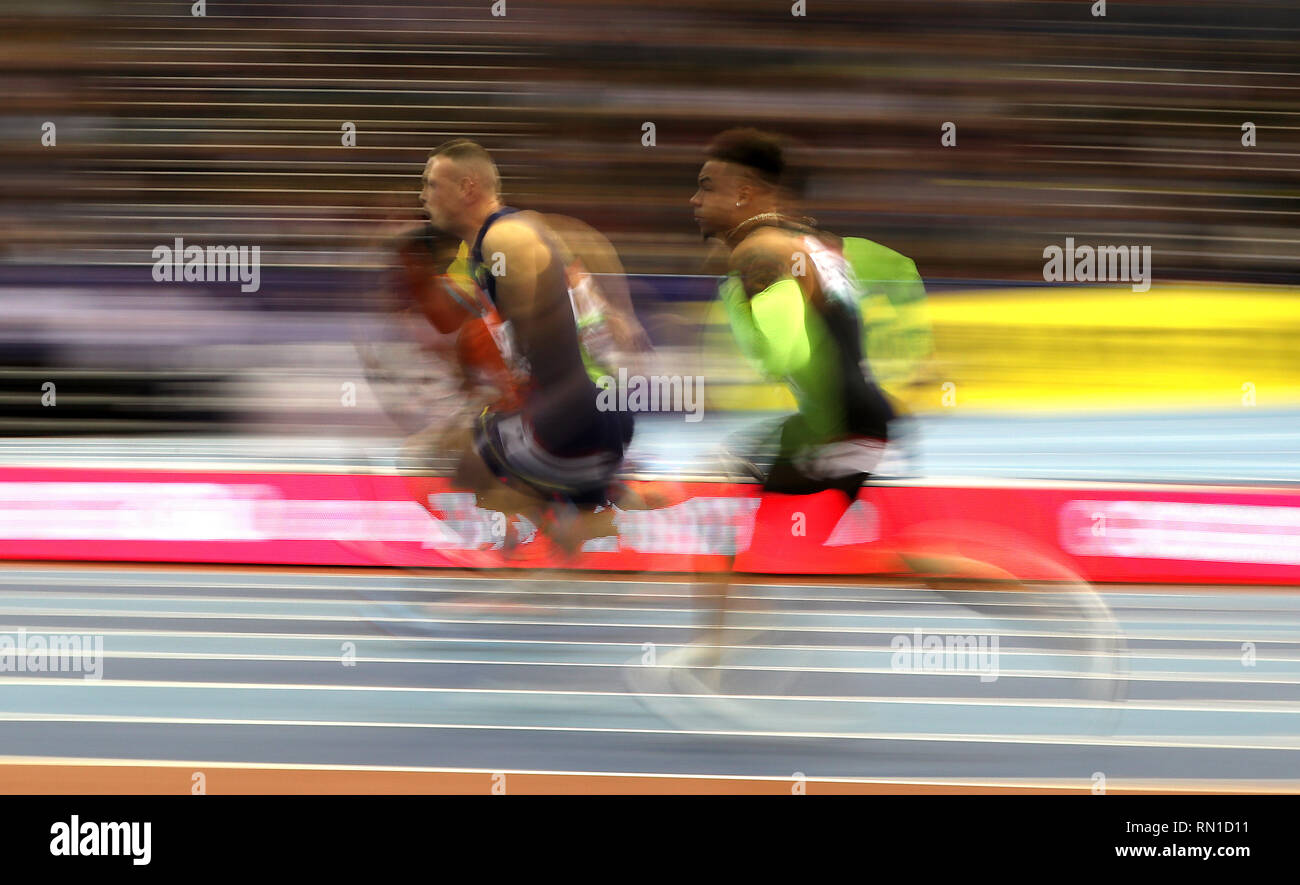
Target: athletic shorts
(508,445)
(808,469)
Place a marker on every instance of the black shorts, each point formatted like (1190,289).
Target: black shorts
(804,469)
(508,445)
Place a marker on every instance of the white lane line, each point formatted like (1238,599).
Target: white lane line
(489,641)
(247,576)
(601,643)
(927,597)
(1003,673)
(1256,637)
(992,596)
(622,609)
(906,590)
(1220,706)
(1170,742)
(892,593)
(1232,658)
(1234,620)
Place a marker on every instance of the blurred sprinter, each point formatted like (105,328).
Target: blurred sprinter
(792,301)
(556,446)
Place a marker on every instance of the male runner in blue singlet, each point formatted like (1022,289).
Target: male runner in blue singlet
(558,446)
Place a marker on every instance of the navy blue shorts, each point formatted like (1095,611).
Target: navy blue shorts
(508,445)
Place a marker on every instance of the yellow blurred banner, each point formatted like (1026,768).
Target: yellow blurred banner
(1059,349)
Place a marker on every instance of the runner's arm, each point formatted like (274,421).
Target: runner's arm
(770,316)
(516,256)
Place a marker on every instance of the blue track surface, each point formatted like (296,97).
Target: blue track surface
(550,673)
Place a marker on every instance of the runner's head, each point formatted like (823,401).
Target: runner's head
(741,178)
(460,182)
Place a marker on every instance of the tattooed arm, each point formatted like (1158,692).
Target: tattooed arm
(774,306)
(761,260)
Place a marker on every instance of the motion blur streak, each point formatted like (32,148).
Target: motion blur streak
(1091,338)
(229,128)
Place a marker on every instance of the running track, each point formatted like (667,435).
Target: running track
(455,679)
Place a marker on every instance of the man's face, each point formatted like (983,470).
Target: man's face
(442,195)
(715,200)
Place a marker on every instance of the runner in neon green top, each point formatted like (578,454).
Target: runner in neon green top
(792,301)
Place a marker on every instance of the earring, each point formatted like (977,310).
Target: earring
(737,205)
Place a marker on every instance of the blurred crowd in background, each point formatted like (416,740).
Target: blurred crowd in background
(232,128)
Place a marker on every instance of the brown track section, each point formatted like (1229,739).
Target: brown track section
(55,778)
